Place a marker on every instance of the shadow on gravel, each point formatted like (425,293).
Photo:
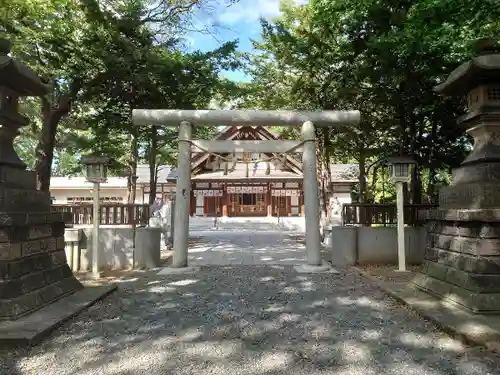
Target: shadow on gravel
(248,320)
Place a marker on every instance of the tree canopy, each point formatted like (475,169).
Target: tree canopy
(382,57)
(103,61)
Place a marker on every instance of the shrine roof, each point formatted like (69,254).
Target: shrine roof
(253,173)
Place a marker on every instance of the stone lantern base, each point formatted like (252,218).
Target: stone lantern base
(462,259)
(38,290)
(33,268)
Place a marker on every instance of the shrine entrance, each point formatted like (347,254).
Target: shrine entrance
(246,202)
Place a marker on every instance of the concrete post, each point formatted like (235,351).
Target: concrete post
(182,197)
(96,220)
(401,226)
(311,201)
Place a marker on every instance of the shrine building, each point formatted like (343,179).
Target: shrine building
(255,184)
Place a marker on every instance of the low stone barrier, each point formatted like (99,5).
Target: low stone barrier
(120,248)
(372,245)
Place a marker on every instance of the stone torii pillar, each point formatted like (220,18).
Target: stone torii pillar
(185,119)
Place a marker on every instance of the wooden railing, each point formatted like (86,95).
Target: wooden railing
(381,214)
(111,214)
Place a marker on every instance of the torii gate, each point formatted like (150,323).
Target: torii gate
(186,119)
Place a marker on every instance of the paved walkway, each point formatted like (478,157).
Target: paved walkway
(251,248)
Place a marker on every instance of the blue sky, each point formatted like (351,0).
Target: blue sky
(239,21)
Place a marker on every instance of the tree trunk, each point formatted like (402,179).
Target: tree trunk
(416,178)
(131,181)
(362,174)
(46,143)
(153,151)
(364,219)
(373,185)
(325,173)
(51,115)
(432,171)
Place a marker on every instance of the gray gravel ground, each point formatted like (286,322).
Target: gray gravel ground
(249,320)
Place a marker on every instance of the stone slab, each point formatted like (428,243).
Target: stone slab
(33,328)
(464,262)
(456,214)
(29,233)
(177,271)
(475,303)
(487,172)
(465,245)
(15,177)
(37,295)
(464,229)
(325,267)
(8,219)
(473,195)
(23,200)
(483,330)
(477,283)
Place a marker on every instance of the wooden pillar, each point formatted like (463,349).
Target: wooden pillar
(301,198)
(192,200)
(225,201)
(269,201)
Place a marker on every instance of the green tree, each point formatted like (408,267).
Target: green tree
(80,46)
(383,58)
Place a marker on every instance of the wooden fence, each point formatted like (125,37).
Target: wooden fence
(381,214)
(111,214)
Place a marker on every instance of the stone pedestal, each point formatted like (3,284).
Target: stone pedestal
(462,254)
(34,274)
(33,267)
(461,259)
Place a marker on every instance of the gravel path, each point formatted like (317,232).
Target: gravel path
(249,320)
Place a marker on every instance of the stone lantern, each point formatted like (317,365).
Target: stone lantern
(461,256)
(97,172)
(399,172)
(16,80)
(400,168)
(33,267)
(97,167)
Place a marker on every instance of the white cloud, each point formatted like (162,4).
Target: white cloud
(249,11)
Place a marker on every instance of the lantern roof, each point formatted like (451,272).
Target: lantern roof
(17,76)
(400,159)
(95,159)
(484,68)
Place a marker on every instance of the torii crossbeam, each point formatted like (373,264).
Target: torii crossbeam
(186,119)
